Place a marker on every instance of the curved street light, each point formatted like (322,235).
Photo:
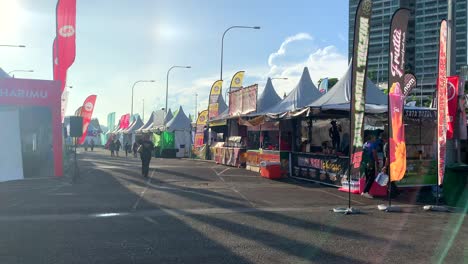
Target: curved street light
(222,44)
(133,88)
(13,46)
(167,84)
(10,72)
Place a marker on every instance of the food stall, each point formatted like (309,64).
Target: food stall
(229,153)
(320,149)
(263,145)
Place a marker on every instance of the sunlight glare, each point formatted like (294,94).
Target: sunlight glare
(11,15)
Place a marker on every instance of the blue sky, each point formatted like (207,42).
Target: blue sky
(122,41)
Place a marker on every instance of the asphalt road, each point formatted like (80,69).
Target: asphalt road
(199,212)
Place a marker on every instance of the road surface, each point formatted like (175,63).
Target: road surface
(199,212)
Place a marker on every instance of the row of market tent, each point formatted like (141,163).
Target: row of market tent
(302,121)
(172,134)
(306,96)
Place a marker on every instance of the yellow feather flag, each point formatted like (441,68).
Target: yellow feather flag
(215,93)
(237,81)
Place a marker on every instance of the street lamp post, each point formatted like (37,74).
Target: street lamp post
(167,84)
(9,73)
(13,46)
(133,88)
(196,106)
(222,44)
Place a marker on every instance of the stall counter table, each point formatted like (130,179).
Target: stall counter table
(228,156)
(255,157)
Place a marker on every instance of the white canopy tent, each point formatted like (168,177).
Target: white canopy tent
(148,124)
(303,94)
(181,126)
(268,98)
(338,97)
(168,117)
(130,132)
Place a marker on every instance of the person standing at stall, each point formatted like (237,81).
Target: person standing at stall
(127,149)
(135,149)
(146,150)
(334,134)
(371,164)
(386,164)
(112,148)
(118,145)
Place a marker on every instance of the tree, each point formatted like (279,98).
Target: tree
(331,82)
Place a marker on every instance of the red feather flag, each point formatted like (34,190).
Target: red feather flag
(87,113)
(65,42)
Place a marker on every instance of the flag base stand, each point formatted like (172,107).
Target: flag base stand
(436,208)
(389,208)
(346,211)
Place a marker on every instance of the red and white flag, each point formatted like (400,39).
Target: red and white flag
(64,43)
(87,113)
(442,109)
(60,74)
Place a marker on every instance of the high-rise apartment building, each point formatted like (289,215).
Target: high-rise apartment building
(422,40)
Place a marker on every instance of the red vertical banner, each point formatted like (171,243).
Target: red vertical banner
(125,121)
(64,43)
(452,100)
(442,108)
(87,113)
(60,73)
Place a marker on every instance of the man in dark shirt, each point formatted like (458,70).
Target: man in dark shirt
(334,134)
(146,151)
(372,164)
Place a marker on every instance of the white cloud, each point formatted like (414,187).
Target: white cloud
(325,61)
(322,62)
(282,49)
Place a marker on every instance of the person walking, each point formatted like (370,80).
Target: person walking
(85,145)
(112,148)
(135,149)
(394,192)
(127,149)
(146,151)
(118,145)
(92,144)
(371,163)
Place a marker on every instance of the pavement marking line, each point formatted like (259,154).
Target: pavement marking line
(165,212)
(151,220)
(243,196)
(148,182)
(329,193)
(341,197)
(223,171)
(221,178)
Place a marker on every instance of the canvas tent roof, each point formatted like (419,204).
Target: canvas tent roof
(338,97)
(268,98)
(222,106)
(168,117)
(148,124)
(3,74)
(303,94)
(179,122)
(138,123)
